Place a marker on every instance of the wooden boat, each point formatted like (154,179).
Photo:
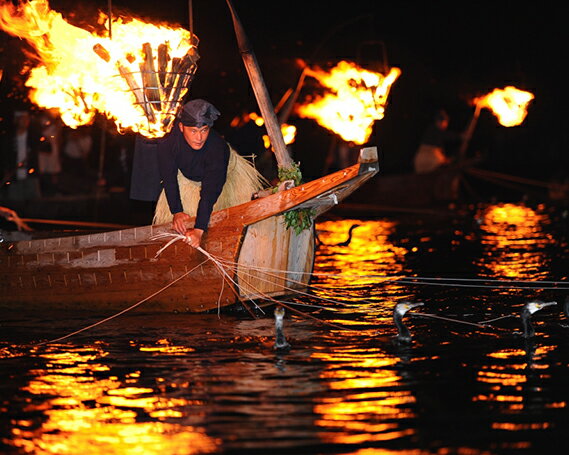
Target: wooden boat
(411,191)
(108,271)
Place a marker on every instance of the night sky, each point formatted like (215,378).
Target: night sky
(448,52)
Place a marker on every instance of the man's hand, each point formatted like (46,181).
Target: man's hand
(194,237)
(179,222)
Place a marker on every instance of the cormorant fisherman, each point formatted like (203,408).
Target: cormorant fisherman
(192,171)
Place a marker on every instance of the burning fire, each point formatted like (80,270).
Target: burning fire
(509,105)
(355,99)
(288,131)
(136,73)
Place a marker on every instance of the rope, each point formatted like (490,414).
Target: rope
(512,178)
(12,216)
(481,324)
(436,316)
(224,274)
(229,279)
(125,310)
(447,281)
(222,264)
(499,283)
(481,286)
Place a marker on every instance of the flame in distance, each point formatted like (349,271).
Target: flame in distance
(288,131)
(509,105)
(354,99)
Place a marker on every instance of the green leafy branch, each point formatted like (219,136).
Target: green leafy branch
(297,219)
(291,173)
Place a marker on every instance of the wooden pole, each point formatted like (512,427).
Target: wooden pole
(468,133)
(191,17)
(284,108)
(102,148)
(103,143)
(261,93)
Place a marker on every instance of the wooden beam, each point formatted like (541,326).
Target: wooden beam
(261,93)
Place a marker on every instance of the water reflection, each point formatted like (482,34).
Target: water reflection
(78,407)
(514,242)
(367,400)
(369,252)
(184,384)
(516,380)
(355,267)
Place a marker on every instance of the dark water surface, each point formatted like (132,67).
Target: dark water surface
(193,384)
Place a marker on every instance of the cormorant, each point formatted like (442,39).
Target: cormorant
(280,340)
(349,239)
(399,311)
(529,309)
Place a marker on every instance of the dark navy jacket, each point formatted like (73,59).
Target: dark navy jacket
(207,165)
(145,181)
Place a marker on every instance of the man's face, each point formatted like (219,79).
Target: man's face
(195,136)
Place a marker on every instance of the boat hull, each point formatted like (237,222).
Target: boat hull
(111,271)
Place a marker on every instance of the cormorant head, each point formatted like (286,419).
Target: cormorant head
(403,307)
(279,311)
(536,305)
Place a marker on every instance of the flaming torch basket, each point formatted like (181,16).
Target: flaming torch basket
(158,84)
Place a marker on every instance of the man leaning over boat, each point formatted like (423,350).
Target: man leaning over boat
(198,170)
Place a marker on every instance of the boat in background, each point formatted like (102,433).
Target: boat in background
(409,191)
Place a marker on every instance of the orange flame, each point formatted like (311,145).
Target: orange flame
(509,105)
(136,78)
(288,131)
(356,98)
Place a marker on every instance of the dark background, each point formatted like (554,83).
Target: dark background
(449,52)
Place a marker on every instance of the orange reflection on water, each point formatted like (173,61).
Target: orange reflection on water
(512,383)
(370,252)
(385,451)
(520,426)
(368,406)
(537,354)
(513,240)
(90,414)
(164,346)
(502,378)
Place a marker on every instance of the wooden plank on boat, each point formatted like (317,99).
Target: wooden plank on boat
(274,259)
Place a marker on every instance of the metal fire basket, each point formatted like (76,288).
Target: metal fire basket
(161,82)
